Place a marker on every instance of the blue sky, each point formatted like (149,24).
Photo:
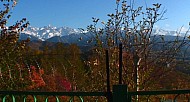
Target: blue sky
(78,13)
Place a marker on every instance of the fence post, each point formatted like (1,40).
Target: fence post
(109,94)
(120,93)
(120,63)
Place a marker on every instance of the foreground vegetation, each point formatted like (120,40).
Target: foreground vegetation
(148,64)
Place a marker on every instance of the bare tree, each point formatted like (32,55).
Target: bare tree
(146,57)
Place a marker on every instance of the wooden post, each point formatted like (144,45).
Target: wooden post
(120,63)
(109,94)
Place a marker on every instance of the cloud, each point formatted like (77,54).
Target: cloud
(156,26)
(182,31)
(167,25)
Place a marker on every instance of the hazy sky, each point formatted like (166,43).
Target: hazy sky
(78,13)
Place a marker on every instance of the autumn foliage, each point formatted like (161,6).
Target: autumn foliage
(18,71)
(147,64)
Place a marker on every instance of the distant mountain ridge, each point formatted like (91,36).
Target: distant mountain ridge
(68,35)
(46,32)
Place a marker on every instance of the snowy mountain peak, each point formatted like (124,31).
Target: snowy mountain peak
(49,31)
(46,32)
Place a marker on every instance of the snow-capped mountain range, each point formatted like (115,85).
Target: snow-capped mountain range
(47,32)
